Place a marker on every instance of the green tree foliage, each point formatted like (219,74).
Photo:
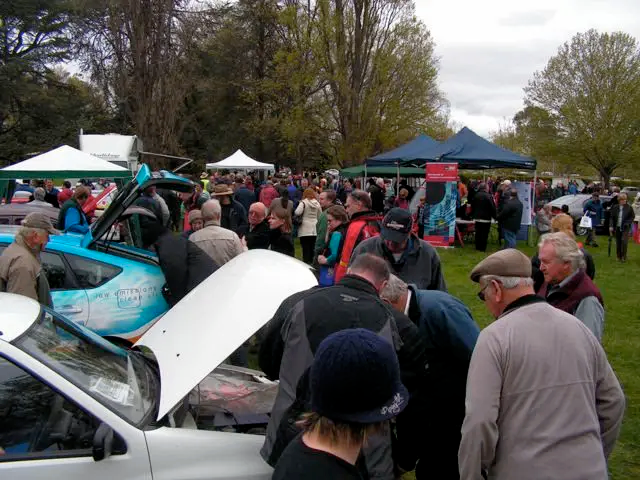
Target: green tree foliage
(381,73)
(590,95)
(33,36)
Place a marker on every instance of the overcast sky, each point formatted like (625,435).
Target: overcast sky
(489,49)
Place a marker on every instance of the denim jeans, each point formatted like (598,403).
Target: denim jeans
(509,238)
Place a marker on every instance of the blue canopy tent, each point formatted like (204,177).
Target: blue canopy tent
(416,149)
(470,151)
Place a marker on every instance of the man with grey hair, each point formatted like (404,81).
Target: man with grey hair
(39,199)
(20,268)
(542,400)
(219,243)
(566,284)
(450,333)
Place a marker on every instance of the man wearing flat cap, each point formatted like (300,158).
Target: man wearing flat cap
(542,400)
(20,268)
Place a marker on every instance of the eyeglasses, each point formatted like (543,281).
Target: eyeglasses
(481,292)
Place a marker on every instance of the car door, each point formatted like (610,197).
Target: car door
(46,435)
(68,297)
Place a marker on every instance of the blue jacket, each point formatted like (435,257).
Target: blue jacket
(245,197)
(595,211)
(446,320)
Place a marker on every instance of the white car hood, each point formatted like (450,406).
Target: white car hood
(216,317)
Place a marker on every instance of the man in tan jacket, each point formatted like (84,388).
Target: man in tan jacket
(20,268)
(218,242)
(542,400)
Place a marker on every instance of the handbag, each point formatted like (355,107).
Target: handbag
(585,222)
(297,219)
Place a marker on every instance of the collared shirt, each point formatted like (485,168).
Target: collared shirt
(219,243)
(406,307)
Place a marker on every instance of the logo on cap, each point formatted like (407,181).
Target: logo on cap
(395,225)
(394,408)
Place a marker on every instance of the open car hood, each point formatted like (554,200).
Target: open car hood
(129,194)
(216,317)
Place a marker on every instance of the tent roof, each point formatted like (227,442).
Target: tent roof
(64,162)
(470,150)
(240,160)
(385,171)
(416,149)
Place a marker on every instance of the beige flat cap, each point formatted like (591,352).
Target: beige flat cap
(505,263)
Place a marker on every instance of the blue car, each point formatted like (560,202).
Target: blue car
(111,288)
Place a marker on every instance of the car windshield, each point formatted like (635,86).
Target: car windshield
(123,381)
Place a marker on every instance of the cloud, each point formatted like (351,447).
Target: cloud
(489,50)
(527,19)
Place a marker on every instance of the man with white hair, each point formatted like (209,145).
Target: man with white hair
(259,232)
(450,333)
(566,284)
(542,400)
(21,271)
(39,196)
(219,243)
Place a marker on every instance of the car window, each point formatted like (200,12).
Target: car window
(4,221)
(36,421)
(55,270)
(90,273)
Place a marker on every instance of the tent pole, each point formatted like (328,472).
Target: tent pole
(533,200)
(398,178)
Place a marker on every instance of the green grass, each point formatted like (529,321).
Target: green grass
(619,286)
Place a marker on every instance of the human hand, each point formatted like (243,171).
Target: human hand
(322,260)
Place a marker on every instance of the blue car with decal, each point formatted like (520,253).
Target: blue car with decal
(111,288)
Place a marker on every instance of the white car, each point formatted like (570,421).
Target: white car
(74,406)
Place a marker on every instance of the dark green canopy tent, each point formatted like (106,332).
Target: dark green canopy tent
(390,171)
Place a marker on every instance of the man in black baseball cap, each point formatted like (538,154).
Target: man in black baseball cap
(411,259)
(355,387)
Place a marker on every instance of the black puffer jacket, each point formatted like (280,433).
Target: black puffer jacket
(482,206)
(184,264)
(510,216)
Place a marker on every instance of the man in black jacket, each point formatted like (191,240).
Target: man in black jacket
(622,217)
(259,232)
(234,216)
(510,217)
(184,264)
(300,325)
(483,209)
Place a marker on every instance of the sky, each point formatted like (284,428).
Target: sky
(489,49)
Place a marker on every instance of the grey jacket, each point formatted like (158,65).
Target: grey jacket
(219,243)
(420,266)
(21,273)
(542,400)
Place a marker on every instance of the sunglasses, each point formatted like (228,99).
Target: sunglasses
(481,292)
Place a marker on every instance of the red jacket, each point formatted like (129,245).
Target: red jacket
(268,194)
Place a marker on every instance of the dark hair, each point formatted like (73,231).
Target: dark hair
(482,187)
(362,197)
(81,193)
(284,198)
(338,212)
(331,195)
(66,184)
(372,264)
(565,208)
(514,193)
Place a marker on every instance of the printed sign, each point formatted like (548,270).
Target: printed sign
(440,207)
(129,298)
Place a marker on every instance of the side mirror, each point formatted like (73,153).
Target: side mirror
(102,442)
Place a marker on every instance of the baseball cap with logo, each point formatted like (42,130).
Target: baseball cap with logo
(396,225)
(39,220)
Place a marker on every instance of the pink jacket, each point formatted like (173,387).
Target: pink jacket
(268,194)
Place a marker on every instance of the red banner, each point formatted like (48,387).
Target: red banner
(442,172)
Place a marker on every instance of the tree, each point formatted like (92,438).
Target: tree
(380,70)
(591,91)
(33,37)
(138,52)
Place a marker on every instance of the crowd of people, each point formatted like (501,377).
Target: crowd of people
(382,371)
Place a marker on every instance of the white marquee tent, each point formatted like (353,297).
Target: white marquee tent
(239,161)
(64,162)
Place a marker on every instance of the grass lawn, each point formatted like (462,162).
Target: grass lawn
(620,289)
